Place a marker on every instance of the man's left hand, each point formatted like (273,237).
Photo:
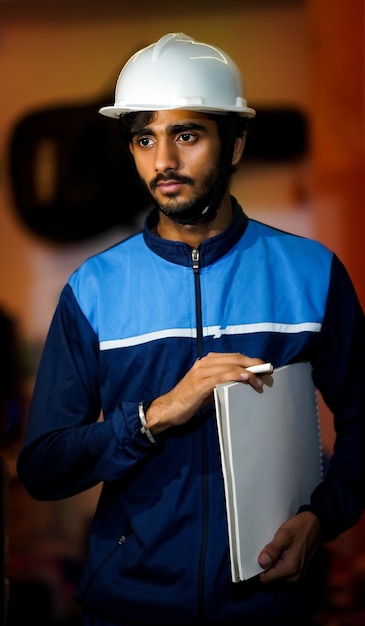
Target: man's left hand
(287,556)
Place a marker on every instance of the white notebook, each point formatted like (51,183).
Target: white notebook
(271,458)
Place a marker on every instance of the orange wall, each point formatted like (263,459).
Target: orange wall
(337,86)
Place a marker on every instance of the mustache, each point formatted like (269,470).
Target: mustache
(176,178)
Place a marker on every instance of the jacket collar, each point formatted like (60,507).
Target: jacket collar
(210,250)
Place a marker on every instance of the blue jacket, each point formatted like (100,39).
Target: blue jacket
(130,323)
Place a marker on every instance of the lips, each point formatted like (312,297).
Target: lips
(169,186)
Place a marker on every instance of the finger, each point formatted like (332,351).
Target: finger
(279,573)
(217,368)
(275,550)
(286,566)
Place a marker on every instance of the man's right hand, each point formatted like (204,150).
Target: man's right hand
(195,389)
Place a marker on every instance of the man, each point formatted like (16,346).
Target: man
(144,332)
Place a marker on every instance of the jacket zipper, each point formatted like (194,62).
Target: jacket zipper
(195,257)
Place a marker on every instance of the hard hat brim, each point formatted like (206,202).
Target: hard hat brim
(115,111)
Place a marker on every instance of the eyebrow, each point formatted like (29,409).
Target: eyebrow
(174,129)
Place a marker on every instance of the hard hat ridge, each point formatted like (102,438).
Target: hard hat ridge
(163,43)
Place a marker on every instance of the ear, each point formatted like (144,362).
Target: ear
(238,149)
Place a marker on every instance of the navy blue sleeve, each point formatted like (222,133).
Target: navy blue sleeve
(67,448)
(339,374)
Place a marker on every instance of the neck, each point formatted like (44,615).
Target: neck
(194,234)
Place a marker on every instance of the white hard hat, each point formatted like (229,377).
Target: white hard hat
(178,72)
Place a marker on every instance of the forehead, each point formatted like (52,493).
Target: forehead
(168,119)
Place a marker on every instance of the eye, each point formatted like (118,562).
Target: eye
(144,142)
(186,137)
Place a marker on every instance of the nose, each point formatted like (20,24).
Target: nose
(166,156)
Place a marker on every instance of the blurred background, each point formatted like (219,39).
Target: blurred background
(66,193)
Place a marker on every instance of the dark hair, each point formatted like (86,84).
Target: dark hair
(130,123)
(230,127)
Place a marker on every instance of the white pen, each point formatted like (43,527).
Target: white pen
(263,368)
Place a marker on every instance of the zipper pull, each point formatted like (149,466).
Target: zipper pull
(195,260)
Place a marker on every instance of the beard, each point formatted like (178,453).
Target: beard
(202,208)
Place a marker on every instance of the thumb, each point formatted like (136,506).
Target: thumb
(264,559)
(271,553)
